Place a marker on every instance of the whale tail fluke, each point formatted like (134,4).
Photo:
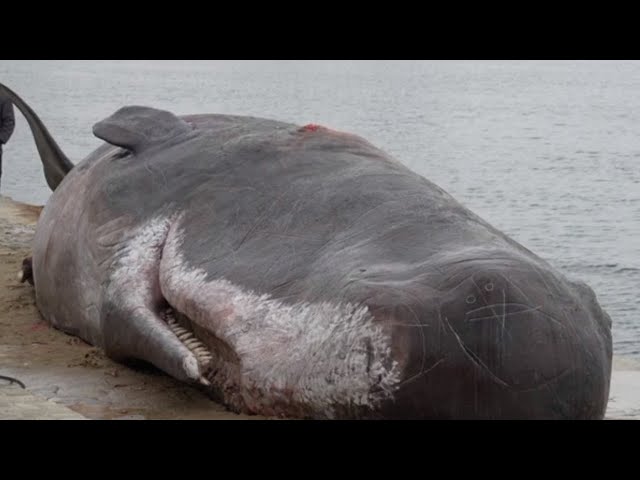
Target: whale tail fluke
(55,162)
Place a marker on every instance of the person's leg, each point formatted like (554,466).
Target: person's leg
(0,167)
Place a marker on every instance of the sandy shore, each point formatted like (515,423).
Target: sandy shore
(63,370)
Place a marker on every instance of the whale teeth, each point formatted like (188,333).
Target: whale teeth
(188,338)
(204,360)
(204,381)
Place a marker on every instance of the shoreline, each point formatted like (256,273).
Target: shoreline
(61,372)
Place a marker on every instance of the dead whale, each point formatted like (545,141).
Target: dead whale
(302,272)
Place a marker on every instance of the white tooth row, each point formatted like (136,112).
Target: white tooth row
(190,341)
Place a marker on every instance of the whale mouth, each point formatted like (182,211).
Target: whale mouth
(218,363)
(188,338)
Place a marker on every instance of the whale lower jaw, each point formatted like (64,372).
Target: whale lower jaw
(255,353)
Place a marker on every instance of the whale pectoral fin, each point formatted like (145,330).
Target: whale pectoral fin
(140,334)
(136,128)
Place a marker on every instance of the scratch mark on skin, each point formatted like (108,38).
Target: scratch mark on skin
(527,298)
(279,286)
(289,219)
(283,235)
(474,358)
(416,324)
(557,322)
(518,289)
(148,169)
(535,267)
(421,374)
(164,177)
(505,314)
(456,285)
(554,392)
(266,212)
(484,299)
(507,304)
(355,221)
(107,260)
(159,170)
(571,326)
(407,325)
(546,383)
(266,274)
(476,259)
(109,245)
(422,336)
(228,188)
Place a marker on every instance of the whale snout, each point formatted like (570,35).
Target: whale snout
(504,340)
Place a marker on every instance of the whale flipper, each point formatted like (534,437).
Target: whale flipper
(136,128)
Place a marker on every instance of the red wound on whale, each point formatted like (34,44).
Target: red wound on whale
(311,127)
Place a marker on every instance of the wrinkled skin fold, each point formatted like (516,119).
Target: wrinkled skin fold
(302,272)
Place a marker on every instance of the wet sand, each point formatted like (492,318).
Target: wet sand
(66,371)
